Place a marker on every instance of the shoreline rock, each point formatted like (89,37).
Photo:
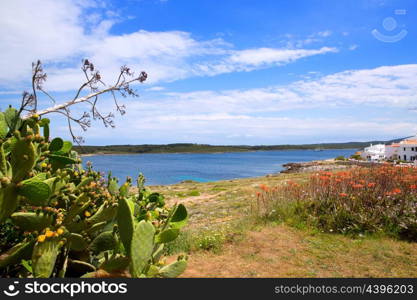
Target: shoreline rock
(325,165)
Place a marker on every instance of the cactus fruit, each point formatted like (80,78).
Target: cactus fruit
(141,247)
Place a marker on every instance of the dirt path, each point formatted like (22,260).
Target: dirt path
(282,251)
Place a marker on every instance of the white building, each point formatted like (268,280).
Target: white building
(408,149)
(392,151)
(374,152)
(404,150)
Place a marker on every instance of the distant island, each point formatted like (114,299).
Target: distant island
(205,148)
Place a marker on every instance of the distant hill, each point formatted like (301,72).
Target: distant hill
(204,148)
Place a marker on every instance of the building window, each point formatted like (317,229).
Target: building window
(405,157)
(404,148)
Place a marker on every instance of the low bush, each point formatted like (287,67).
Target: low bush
(360,200)
(356,156)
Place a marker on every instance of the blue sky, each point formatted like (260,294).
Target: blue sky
(225,72)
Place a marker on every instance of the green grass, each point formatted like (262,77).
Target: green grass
(208,239)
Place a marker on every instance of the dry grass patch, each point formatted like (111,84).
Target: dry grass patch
(218,202)
(281,251)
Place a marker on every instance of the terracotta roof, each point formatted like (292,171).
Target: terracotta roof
(409,142)
(394,145)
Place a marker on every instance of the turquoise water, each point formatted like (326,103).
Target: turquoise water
(176,167)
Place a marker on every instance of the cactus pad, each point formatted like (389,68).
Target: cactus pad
(174,269)
(44,257)
(167,235)
(56,144)
(104,241)
(30,221)
(35,192)
(16,254)
(22,158)
(8,201)
(141,247)
(77,242)
(179,217)
(126,223)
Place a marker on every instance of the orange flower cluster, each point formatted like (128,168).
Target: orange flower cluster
(366,184)
(356,200)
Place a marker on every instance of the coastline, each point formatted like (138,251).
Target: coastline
(204,152)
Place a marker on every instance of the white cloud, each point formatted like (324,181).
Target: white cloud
(314,38)
(60,33)
(155,89)
(325,33)
(391,86)
(353,47)
(267,56)
(277,114)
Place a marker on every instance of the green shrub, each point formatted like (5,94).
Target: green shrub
(194,193)
(356,156)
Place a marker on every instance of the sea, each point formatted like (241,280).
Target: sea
(170,168)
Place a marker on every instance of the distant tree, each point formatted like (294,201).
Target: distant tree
(95,87)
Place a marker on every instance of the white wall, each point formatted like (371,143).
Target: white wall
(408,152)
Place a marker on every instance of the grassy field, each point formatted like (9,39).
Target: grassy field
(223,239)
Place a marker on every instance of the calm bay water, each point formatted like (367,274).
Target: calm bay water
(176,167)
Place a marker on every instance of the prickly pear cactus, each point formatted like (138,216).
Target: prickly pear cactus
(63,220)
(44,255)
